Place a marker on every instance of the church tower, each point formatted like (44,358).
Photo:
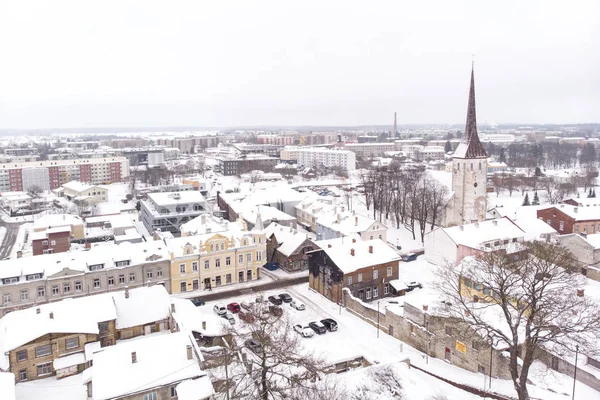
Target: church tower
(469,173)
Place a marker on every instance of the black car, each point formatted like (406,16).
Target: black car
(275,300)
(317,327)
(254,345)
(286,298)
(198,302)
(330,324)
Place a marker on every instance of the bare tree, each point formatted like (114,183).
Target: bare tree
(522,302)
(384,383)
(555,193)
(279,367)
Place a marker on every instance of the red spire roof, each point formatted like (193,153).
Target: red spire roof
(471,146)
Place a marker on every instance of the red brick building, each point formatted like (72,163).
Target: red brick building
(55,240)
(567,218)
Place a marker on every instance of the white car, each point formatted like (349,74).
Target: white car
(298,305)
(247,305)
(305,331)
(220,309)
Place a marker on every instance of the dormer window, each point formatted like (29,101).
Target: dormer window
(123,263)
(33,277)
(95,267)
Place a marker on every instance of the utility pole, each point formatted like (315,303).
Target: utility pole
(575,373)
(377,319)
(226,370)
(427,333)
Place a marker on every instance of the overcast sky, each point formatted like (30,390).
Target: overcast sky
(225,63)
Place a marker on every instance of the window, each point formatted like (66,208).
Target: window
(6,298)
(386,289)
(228,278)
(481,369)
(132,277)
(96,267)
(55,290)
(389,271)
(24,295)
(53,242)
(448,330)
(218,281)
(248,257)
(487,291)
(121,278)
(103,327)
(359,277)
(375,274)
(150,396)
(45,243)
(173,392)
(21,355)
(258,256)
(218,262)
(78,286)
(182,286)
(375,291)
(478,286)
(350,280)
(42,351)
(241,259)
(195,266)
(72,343)
(212,247)
(23,375)
(96,283)
(149,274)
(222,246)
(227,260)
(195,284)
(44,369)
(41,291)
(561,225)
(475,345)
(206,264)
(122,263)
(182,268)
(159,273)
(368,293)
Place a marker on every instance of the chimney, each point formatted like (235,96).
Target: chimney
(51,315)
(371,249)
(64,217)
(189,352)
(462,228)
(353,240)
(133,357)
(203,325)
(20,254)
(126,292)
(356,220)
(495,222)
(425,307)
(38,310)
(329,245)
(339,218)
(580,292)
(575,209)
(203,219)
(352,252)
(172,307)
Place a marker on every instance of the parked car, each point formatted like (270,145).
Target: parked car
(247,305)
(413,285)
(409,257)
(220,309)
(286,298)
(305,331)
(330,324)
(246,316)
(298,305)
(198,302)
(229,317)
(276,311)
(254,345)
(271,266)
(275,300)
(233,307)
(318,327)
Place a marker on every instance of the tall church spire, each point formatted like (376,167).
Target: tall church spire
(471,146)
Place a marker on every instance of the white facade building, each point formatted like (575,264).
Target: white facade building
(313,157)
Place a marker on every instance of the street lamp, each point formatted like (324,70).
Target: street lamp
(575,373)
(377,319)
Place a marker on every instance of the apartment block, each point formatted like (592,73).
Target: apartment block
(314,157)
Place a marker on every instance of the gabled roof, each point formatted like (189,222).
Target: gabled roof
(288,238)
(349,222)
(341,254)
(578,213)
(144,305)
(476,234)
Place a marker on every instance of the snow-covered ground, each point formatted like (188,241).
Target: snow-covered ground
(70,388)
(23,241)
(225,288)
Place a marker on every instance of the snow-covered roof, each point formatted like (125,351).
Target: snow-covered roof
(52,220)
(189,317)
(578,213)
(69,361)
(77,186)
(50,264)
(144,305)
(267,213)
(115,221)
(160,361)
(585,201)
(398,284)
(289,239)
(7,385)
(473,235)
(536,229)
(195,389)
(204,223)
(185,197)
(347,222)
(350,256)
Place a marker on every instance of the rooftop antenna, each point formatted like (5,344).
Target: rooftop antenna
(395,130)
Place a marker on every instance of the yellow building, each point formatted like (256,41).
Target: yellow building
(215,259)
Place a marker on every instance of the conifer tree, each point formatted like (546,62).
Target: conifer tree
(536,199)
(526,200)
